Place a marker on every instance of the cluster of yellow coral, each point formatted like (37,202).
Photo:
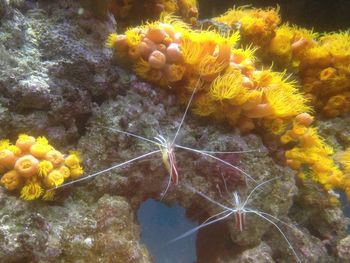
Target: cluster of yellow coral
(323,63)
(311,156)
(32,166)
(256,25)
(322,60)
(187,9)
(229,86)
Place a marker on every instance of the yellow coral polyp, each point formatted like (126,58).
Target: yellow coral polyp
(275,126)
(204,105)
(338,44)
(48,195)
(111,40)
(210,67)
(39,150)
(142,68)
(76,172)
(16,150)
(11,180)
(53,179)
(31,191)
(55,157)
(226,87)
(4,144)
(286,101)
(281,46)
(24,142)
(174,72)
(133,37)
(45,167)
(192,51)
(72,160)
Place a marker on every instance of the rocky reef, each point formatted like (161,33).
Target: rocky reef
(57,79)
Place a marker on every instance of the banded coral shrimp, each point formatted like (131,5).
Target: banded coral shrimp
(166,149)
(241,210)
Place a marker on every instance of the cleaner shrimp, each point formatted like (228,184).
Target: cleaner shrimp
(239,210)
(167,149)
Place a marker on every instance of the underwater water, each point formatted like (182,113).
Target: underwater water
(159,225)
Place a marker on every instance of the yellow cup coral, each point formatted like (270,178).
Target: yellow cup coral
(24,142)
(40,148)
(31,191)
(55,157)
(76,172)
(53,179)
(34,166)
(45,167)
(7,158)
(11,180)
(27,166)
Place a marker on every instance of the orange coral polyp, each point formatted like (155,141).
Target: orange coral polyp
(24,142)
(157,60)
(304,119)
(259,111)
(65,171)
(174,72)
(156,35)
(224,53)
(7,158)
(146,47)
(11,180)
(134,52)
(173,53)
(55,157)
(327,73)
(27,166)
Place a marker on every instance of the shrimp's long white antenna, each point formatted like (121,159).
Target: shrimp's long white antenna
(275,218)
(231,211)
(185,113)
(134,135)
(257,187)
(105,170)
(218,152)
(278,228)
(207,197)
(218,159)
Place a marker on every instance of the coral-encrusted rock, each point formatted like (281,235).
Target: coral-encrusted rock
(53,67)
(259,254)
(76,232)
(343,249)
